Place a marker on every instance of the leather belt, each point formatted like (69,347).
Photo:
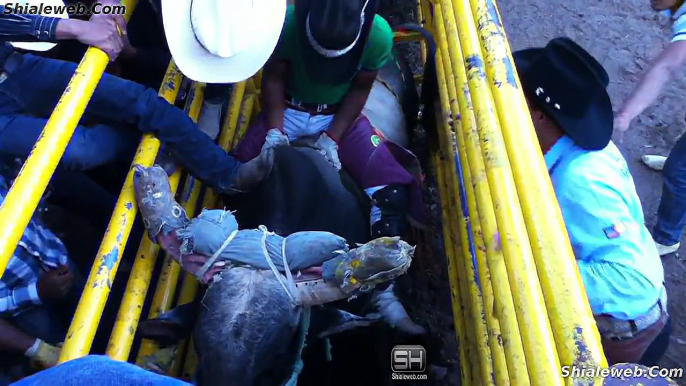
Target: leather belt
(311,108)
(614,328)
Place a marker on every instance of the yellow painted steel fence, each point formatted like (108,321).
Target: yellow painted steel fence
(505,242)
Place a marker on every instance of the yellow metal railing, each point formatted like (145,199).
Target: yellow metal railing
(28,188)
(87,317)
(503,229)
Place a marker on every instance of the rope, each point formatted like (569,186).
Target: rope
(288,286)
(206,267)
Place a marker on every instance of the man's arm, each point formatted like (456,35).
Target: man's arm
(352,104)
(13,340)
(27,28)
(18,297)
(666,66)
(274,92)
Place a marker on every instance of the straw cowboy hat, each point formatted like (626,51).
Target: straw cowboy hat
(222,41)
(569,85)
(335,34)
(42,46)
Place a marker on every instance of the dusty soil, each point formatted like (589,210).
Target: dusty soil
(624,35)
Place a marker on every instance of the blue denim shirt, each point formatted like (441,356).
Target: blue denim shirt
(617,258)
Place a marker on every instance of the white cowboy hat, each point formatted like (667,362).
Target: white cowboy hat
(54,6)
(222,41)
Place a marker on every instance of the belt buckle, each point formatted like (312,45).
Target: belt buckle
(321,108)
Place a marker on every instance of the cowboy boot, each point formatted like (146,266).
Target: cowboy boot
(394,313)
(392,202)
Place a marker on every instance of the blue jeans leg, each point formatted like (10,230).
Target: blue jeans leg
(100,371)
(671,214)
(115,102)
(41,322)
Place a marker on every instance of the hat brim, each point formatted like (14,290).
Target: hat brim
(593,130)
(332,70)
(42,46)
(199,65)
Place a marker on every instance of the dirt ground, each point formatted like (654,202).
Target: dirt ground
(624,35)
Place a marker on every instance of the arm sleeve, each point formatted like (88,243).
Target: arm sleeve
(679,29)
(19,297)
(26,28)
(379,45)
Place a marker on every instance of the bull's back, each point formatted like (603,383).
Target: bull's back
(304,192)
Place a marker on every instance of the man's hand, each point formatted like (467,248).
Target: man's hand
(329,149)
(55,284)
(47,356)
(621,124)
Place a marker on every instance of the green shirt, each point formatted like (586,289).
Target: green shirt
(299,86)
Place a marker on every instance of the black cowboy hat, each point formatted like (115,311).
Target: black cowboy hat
(569,85)
(333,34)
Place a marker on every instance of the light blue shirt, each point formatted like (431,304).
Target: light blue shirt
(678,23)
(617,258)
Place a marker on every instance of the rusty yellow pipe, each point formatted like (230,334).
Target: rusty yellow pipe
(537,338)
(227,134)
(87,317)
(576,335)
(478,350)
(453,249)
(137,287)
(169,276)
(500,309)
(245,117)
(489,343)
(124,331)
(25,193)
(189,290)
(506,348)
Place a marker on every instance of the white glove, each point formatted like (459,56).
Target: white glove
(329,149)
(275,137)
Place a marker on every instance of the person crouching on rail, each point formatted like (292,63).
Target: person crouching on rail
(317,83)
(619,263)
(30,86)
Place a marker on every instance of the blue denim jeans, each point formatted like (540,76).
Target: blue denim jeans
(100,371)
(30,93)
(671,214)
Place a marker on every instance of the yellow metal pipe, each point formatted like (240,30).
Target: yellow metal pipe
(87,317)
(452,249)
(489,343)
(22,199)
(226,136)
(245,117)
(189,290)
(451,240)
(504,338)
(574,328)
(124,331)
(539,346)
(492,271)
(459,242)
(169,276)
(137,287)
